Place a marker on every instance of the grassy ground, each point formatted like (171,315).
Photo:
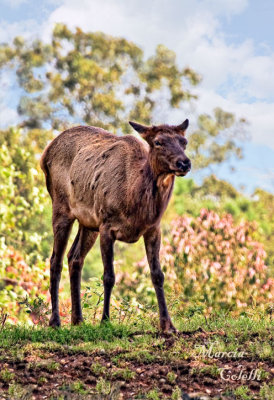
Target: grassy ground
(222,357)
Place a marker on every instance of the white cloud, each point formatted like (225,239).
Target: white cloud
(8,117)
(147,23)
(259,114)
(26,28)
(259,69)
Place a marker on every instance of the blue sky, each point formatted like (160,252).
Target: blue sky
(255,22)
(229,42)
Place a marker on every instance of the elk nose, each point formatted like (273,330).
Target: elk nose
(183,165)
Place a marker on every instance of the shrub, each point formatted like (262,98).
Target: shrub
(24,203)
(211,259)
(208,259)
(20,280)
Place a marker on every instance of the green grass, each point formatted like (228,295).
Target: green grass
(66,335)
(6,375)
(116,355)
(267,392)
(227,333)
(124,373)
(242,392)
(98,369)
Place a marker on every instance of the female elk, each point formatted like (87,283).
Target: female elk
(117,187)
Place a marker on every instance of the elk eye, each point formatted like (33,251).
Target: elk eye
(157,143)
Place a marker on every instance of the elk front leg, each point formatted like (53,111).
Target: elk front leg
(152,243)
(106,244)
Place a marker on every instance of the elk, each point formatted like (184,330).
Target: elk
(115,186)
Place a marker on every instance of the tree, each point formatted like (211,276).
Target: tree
(83,77)
(214,140)
(96,79)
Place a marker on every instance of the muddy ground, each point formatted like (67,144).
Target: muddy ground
(69,373)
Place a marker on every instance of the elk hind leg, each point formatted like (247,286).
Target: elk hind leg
(62,225)
(83,242)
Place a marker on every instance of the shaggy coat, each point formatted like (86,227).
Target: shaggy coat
(116,186)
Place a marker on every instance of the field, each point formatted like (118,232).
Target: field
(217,251)
(221,357)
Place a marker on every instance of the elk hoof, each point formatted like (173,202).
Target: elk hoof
(167,327)
(54,321)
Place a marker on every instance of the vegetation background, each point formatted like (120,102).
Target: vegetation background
(217,251)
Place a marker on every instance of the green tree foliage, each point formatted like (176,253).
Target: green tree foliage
(96,79)
(215,139)
(23,198)
(25,233)
(91,77)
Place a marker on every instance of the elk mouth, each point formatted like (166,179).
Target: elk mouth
(180,168)
(181,173)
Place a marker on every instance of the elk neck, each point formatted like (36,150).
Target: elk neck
(157,186)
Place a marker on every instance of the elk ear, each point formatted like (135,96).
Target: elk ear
(183,127)
(138,127)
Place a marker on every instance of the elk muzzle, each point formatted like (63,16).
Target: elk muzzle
(183,166)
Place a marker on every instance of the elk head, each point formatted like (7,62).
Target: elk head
(167,147)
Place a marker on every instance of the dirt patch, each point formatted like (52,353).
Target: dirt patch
(123,374)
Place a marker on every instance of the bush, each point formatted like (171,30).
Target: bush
(220,196)
(208,259)
(18,281)
(211,259)
(24,203)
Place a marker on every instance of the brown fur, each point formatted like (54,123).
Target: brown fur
(116,186)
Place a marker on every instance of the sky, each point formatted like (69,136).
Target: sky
(229,42)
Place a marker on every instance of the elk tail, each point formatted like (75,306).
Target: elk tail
(45,169)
